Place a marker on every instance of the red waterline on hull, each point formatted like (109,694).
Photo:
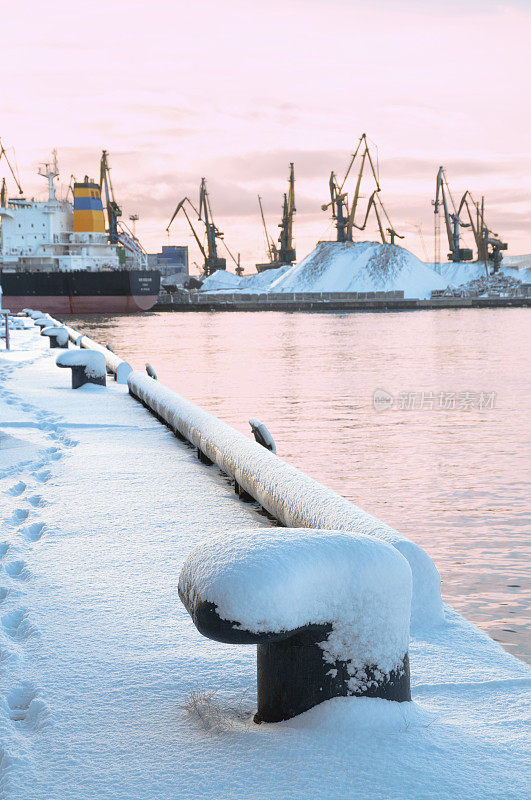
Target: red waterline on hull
(91,304)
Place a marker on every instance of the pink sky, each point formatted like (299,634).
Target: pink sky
(233,91)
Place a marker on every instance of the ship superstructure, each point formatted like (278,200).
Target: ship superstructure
(51,235)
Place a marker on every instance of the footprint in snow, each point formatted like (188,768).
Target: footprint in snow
(17,625)
(4,548)
(43,476)
(36,500)
(25,706)
(18,570)
(18,516)
(34,532)
(17,489)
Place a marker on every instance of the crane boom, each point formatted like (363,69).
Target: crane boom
(452,220)
(271,246)
(212,261)
(113,209)
(15,178)
(286,253)
(344,213)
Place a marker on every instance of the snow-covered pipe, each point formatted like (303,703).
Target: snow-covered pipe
(290,495)
(115,365)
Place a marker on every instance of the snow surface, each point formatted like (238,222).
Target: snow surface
(455,275)
(108,691)
(344,267)
(290,495)
(93,361)
(287,578)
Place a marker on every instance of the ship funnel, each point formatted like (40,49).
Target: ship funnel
(88,209)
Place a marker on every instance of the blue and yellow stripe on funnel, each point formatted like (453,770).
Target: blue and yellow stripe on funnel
(88,208)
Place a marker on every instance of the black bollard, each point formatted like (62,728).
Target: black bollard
(80,377)
(295,668)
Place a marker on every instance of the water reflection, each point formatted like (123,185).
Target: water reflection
(453,480)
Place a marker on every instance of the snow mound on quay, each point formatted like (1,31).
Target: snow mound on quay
(360,267)
(454,275)
(340,267)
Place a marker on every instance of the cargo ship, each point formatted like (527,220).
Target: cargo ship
(57,257)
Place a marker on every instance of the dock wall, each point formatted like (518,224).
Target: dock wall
(327,301)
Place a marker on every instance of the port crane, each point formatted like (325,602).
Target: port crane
(285,254)
(345,214)
(114,212)
(119,233)
(212,261)
(488,243)
(3,189)
(452,221)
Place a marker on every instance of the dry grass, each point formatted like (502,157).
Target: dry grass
(215,716)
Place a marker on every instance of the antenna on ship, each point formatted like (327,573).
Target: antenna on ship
(50,170)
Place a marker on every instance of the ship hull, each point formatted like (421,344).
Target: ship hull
(81,292)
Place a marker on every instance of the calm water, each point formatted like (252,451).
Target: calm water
(455,479)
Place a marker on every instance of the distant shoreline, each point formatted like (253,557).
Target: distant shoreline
(223,303)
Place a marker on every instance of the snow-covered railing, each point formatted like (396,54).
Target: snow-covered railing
(116,365)
(292,497)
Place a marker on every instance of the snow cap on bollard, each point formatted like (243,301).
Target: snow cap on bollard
(88,366)
(329,611)
(58,336)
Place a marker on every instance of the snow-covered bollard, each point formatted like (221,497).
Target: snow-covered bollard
(88,366)
(262,435)
(58,337)
(43,322)
(329,611)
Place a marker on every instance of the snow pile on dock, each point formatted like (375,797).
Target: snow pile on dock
(455,275)
(346,267)
(360,267)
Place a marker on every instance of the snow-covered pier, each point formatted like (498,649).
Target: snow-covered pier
(107,688)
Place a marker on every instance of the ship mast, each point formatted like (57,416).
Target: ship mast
(50,171)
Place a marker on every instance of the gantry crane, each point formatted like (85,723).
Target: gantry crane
(13,173)
(113,209)
(488,243)
(452,222)
(285,254)
(212,261)
(345,214)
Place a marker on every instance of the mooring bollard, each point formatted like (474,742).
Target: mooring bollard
(329,611)
(58,337)
(44,322)
(88,366)
(5,314)
(262,435)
